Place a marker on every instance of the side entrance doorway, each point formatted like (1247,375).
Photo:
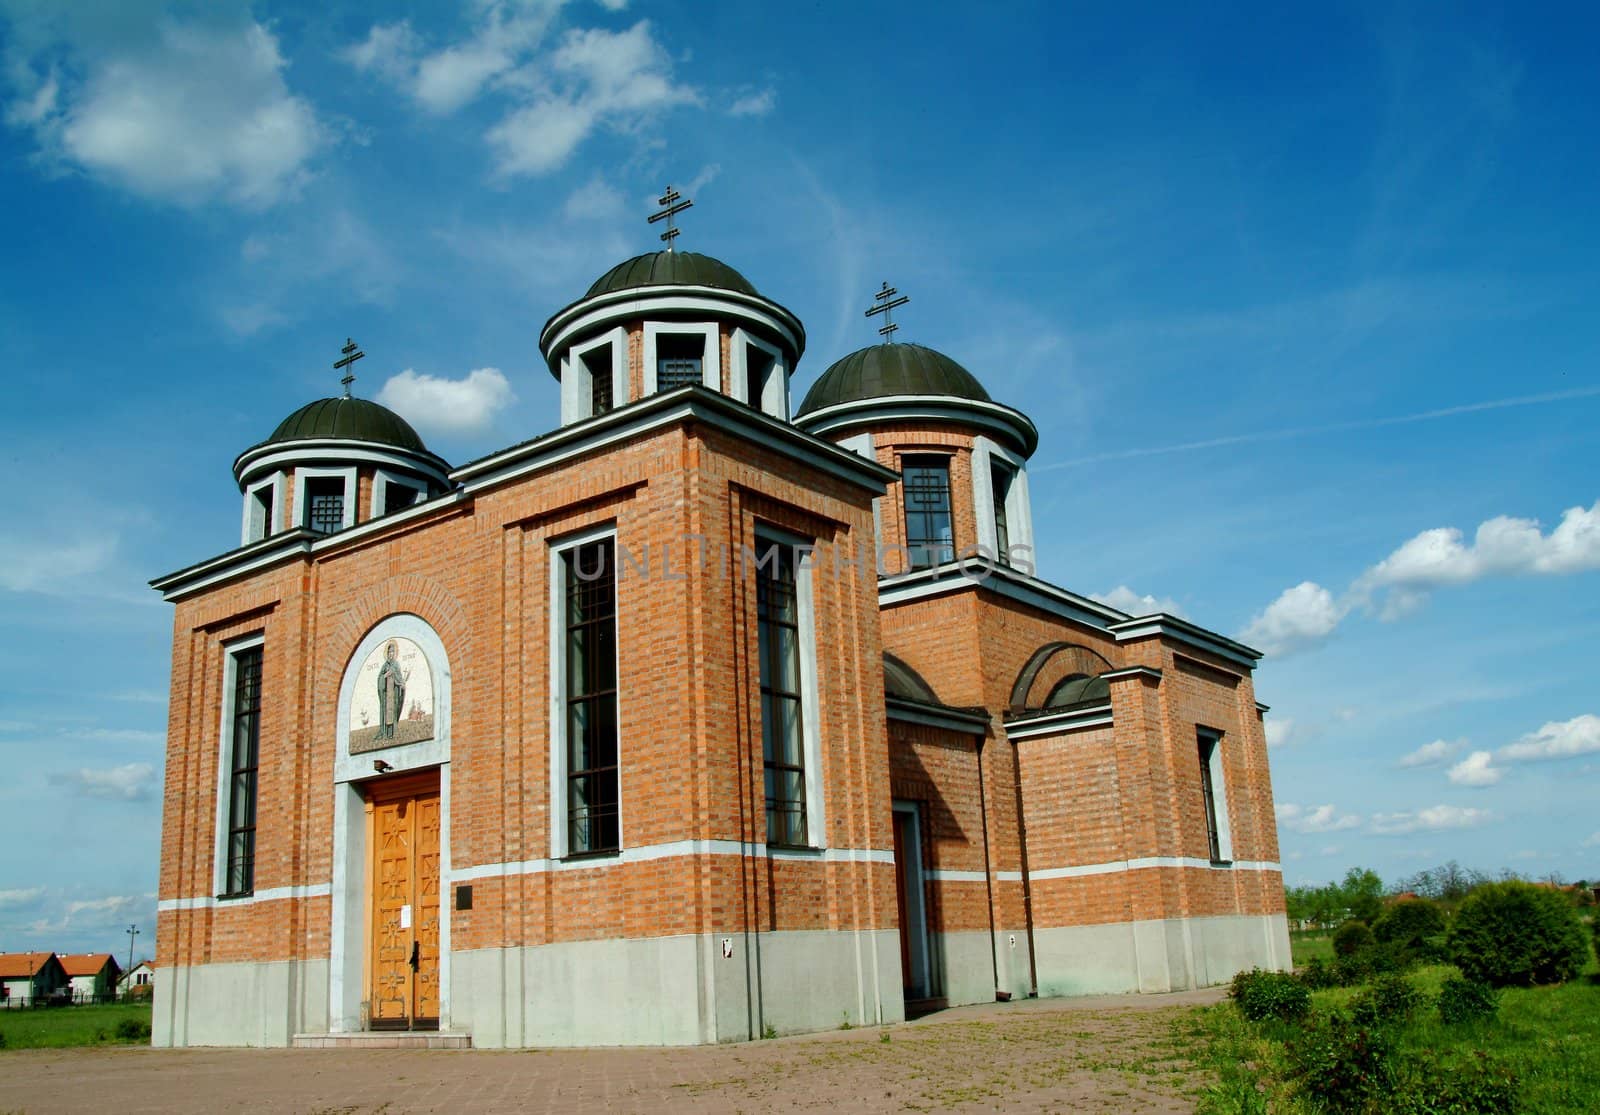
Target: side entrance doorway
(403,882)
(909,891)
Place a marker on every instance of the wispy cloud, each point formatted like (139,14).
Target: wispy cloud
(54,566)
(128,782)
(1556,740)
(1436,818)
(1431,754)
(1315,818)
(1291,433)
(754,103)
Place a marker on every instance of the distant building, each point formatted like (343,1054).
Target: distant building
(137,980)
(92,976)
(29,976)
(689,719)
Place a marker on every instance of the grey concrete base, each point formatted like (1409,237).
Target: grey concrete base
(262,1004)
(1155,956)
(675,990)
(385,1039)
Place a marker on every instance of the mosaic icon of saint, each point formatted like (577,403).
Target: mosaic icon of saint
(391,692)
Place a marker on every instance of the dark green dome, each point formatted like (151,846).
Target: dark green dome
(892,369)
(348,419)
(671,269)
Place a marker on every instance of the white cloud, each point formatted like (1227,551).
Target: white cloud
(1431,754)
(200,113)
(128,782)
(38,565)
(595,78)
(596,199)
(1502,546)
(112,904)
(20,896)
(1314,818)
(248,320)
(1124,599)
(450,405)
(1592,840)
(389,49)
(1476,770)
(1300,617)
(1280,731)
(613,5)
(1436,818)
(1556,740)
(754,104)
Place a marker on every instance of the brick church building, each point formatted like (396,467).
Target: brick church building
(694,718)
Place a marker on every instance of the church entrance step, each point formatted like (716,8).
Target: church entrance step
(385,1039)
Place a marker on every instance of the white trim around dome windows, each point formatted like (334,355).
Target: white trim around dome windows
(880,411)
(381,481)
(577,389)
(1019,513)
(774,391)
(710,357)
(632,304)
(302,511)
(259,520)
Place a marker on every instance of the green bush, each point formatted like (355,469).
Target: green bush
(1514,934)
(1341,1065)
(1389,959)
(1390,1000)
(1351,970)
(1263,995)
(1318,974)
(1409,923)
(1474,1084)
(1462,1000)
(133,1029)
(1352,937)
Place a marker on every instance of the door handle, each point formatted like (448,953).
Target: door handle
(416,954)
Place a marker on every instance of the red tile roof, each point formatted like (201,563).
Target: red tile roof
(22,965)
(85,964)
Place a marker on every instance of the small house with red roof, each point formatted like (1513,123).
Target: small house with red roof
(26,976)
(92,976)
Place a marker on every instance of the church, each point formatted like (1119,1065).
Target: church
(700,717)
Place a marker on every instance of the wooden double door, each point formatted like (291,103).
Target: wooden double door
(403,954)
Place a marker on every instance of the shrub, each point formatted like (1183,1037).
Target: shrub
(1428,1084)
(132,1029)
(1390,1000)
(1318,974)
(1342,1065)
(1351,970)
(1389,959)
(1263,995)
(1409,924)
(1462,1000)
(1352,937)
(1513,934)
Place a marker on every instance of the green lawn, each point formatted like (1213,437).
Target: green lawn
(1305,944)
(1550,1036)
(54,1027)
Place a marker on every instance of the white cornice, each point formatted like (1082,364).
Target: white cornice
(311,451)
(875,412)
(663,410)
(603,310)
(1054,722)
(1180,630)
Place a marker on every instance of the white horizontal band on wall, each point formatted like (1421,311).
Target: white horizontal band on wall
(271,894)
(1117,866)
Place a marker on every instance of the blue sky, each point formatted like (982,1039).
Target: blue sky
(1301,300)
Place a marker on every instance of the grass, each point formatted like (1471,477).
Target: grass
(59,1027)
(1310,943)
(1549,1035)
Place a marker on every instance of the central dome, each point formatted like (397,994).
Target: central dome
(348,419)
(892,369)
(671,269)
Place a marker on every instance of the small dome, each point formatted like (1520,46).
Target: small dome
(671,269)
(348,419)
(1078,689)
(892,369)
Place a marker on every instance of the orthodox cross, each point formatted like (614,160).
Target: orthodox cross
(351,355)
(887,301)
(671,206)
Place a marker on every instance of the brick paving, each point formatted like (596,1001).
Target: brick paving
(1102,1054)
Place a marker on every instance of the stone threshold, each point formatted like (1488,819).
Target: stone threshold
(385,1039)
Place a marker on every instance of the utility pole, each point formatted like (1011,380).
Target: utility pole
(132,931)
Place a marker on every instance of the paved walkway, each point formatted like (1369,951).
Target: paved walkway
(1101,1054)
